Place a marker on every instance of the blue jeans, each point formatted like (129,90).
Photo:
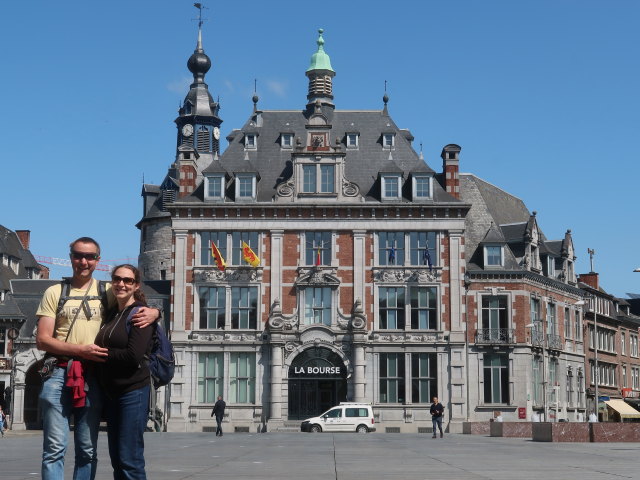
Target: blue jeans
(126,421)
(55,404)
(437,421)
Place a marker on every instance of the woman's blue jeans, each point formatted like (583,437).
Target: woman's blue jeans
(126,421)
(57,410)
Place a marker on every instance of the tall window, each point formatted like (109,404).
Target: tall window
(570,388)
(210,376)
(242,378)
(327,178)
(214,186)
(309,180)
(578,325)
(317,305)
(623,342)
(244,307)
(424,308)
(317,248)
(624,376)
(391,248)
(422,248)
(212,307)
(391,308)
(392,378)
(552,325)
(537,380)
(494,313)
(567,323)
(553,380)
(3,341)
(219,238)
(581,388)
(535,315)
(250,238)
(633,345)
(423,377)
(496,378)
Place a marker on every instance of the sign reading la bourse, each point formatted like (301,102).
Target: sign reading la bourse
(314,370)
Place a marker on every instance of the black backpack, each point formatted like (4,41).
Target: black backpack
(161,359)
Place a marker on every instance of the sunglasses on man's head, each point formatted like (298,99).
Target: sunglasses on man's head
(86,256)
(125,280)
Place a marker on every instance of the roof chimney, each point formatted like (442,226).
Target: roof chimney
(450,167)
(24,236)
(590,279)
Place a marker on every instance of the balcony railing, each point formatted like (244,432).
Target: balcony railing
(495,335)
(537,338)
(554,341)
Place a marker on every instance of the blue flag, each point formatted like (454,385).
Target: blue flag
(392,256)
(426,258)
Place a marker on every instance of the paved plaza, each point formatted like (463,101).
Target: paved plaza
(347,457)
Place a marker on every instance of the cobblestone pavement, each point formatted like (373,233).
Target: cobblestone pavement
(346,457)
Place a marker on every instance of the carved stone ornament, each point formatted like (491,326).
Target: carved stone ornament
(429,337)
(356,321)
(317,276)
(286,189)
(231,274)
(402,275)
(279,321)
(349,189)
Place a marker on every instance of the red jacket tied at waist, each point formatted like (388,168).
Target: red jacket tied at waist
(75,381)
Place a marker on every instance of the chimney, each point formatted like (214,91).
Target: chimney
(590,279)
(450,168)
(24,236)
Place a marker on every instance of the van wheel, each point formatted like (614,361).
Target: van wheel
(362,429)
(315,429)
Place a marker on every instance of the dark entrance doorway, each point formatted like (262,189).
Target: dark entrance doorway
(317,382)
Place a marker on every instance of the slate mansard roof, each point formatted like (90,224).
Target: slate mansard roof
(363,165)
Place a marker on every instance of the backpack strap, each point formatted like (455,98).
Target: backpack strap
(65,288)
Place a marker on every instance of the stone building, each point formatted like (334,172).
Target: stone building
(379,279)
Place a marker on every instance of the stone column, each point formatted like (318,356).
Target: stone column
(358,372)
(179,285)
(276,384)
(359,241)
(277,237)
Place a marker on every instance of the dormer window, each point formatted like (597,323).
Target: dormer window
(286,140)
(245,187)
(214,187)
(318,178)
(250,141)
(391,187)
(352,140)
(421,187)
(493,256)
(551,264)
(388,140)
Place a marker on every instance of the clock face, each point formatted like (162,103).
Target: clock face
(187,130)
(216,133)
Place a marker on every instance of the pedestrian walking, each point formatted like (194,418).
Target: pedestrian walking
(218,411)
(437,411)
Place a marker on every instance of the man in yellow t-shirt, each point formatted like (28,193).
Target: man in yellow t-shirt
(70,334)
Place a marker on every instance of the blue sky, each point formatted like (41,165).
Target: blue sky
(542,96)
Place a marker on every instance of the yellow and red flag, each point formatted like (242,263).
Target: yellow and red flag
(215,253)
(249,256)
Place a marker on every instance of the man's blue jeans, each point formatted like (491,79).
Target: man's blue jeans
(57,410)
(437,423)
(126,421)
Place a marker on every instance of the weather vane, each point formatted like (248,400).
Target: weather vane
(200,7)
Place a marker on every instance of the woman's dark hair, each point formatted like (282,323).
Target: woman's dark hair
(138,294)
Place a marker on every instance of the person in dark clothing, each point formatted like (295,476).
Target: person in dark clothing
(437,411)
(125,376)
(218,411)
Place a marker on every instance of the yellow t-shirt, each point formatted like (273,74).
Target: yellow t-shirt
(85,329)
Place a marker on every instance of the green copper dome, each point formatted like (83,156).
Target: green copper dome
(320,60)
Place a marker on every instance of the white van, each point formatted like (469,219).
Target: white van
(346,417)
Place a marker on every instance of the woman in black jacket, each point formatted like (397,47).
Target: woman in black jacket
(125,376)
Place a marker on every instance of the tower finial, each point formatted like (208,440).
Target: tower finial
(200,7)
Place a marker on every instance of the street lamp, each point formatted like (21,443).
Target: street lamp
(535,339)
